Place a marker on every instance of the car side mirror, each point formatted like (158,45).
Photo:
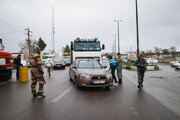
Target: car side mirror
(103,46)
(74,67)
(71,46)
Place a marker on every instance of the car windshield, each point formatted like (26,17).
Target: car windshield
(90,64)
(58,61)
(152,59)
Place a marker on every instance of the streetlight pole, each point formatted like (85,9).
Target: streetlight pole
(115,42)
(118,33)
(137,29)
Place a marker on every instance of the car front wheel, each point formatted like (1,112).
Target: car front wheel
(77,84)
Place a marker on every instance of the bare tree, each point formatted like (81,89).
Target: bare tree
(172,50)
(24,46)
(157,51)
(149,53)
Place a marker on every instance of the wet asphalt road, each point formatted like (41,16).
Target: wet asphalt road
(158,100)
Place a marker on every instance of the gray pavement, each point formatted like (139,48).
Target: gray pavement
(158,100)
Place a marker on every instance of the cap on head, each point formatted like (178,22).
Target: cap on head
(140,55)
(106,54)
(118,53)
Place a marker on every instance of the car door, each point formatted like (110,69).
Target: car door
(72,71)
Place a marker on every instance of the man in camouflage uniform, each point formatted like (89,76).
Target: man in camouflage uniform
(36,73)
(119,63)
(140,64)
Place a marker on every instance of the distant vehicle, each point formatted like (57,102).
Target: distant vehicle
(174,62)
(152,61)
(25,63)
(45,57)
(6,64)
(59,64)
(89,73)
(67,62)
(177,66)
(133,60)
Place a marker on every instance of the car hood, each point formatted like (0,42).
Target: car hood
(94,71)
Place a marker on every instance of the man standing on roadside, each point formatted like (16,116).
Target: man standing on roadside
(140,64)
(36,73)
(119,63)
(112,65)
(18,65)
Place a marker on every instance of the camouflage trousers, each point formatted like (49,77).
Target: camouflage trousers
(119,73)
(34,82)
(140,75)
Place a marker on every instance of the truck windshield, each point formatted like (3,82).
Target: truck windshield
(87,46)
(1,46)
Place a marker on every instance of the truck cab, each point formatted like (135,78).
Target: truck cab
(86,48)
(6,64)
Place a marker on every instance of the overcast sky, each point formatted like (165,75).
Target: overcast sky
(159,22)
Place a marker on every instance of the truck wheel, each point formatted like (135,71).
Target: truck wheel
(7,77)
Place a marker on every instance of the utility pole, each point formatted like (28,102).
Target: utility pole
(28,40)
(53,31)
(115,42)
(118,33)
(137,28)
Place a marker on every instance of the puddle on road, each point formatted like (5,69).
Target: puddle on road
(159,77)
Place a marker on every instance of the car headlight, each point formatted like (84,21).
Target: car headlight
(85,76)
(108,76)
(11,61)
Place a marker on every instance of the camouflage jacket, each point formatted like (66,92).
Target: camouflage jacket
(119,63)
(140,64)
(35,65)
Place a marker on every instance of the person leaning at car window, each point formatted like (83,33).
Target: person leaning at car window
(112,64)
(49,63)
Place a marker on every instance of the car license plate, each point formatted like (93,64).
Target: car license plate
(58,65)
(99,82)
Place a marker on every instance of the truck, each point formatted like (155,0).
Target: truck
(6,63)
(86,48)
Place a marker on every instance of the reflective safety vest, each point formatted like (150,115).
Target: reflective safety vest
(112,62)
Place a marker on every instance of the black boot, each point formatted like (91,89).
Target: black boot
(41,95)
(34,95)
(139,85)
(120,81)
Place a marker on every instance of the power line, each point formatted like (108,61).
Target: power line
(9,25)
(10,33)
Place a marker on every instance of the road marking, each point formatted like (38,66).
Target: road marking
(56,99)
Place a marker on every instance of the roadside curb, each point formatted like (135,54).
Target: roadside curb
(148,68)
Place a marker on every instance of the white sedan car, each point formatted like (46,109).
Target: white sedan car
(173,63)
(152,61)
(177,66)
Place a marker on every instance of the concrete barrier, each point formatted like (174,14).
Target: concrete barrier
(148,68)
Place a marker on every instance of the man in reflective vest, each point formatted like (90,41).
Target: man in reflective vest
(112,64)
(49,64)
